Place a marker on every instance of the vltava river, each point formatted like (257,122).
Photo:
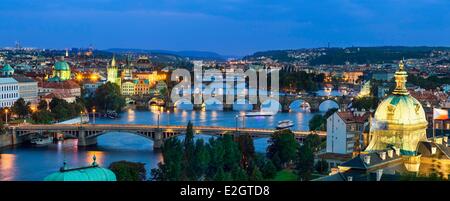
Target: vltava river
(27,162)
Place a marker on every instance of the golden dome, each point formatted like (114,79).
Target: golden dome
(401,110)
(399,120)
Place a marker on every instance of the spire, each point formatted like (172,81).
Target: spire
(113,61)
(400,80)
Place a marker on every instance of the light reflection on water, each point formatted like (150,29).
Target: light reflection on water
(34,163)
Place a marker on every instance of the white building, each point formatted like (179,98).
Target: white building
(28,88)
(9,91)
(343,129)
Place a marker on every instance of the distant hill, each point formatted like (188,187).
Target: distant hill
(339,56)
(191,54)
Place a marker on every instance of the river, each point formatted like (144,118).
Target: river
(32,163)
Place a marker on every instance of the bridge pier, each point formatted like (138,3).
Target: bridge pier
(83,141)
(158,141)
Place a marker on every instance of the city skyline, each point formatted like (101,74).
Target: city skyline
(227,27)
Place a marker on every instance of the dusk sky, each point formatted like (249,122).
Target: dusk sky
(230,27)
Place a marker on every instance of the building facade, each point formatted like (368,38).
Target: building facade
(9,91)
(28,88)
(345,131)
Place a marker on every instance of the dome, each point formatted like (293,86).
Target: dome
(7,68)
(83,174)
(401,110)
(61,65)
(399,120)
(88,173)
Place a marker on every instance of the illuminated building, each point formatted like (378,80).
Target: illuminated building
(399,120)
(112,72)
(352,77)
(61,72)
(127,72)
(398,142)
(365,90)
(141,87)
(128,87)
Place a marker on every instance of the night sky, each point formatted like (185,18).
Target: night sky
(230,27)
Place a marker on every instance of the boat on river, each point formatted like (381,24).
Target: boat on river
(261,113)
(285,124)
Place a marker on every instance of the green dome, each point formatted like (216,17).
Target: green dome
(7,68)
(61,65)
(89,173)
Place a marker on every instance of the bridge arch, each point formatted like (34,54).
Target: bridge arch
(299,105)
(156,101)
(271,105)
(328,104)
(184,104)
(212,104)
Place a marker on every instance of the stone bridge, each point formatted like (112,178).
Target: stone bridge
(87,133)
(285,102)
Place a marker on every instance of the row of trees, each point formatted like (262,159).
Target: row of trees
(106,98)
(300,81)
(227,158)
(57,110)
(233,158)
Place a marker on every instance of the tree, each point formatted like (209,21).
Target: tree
(201,159)
(232,155)
(217,154)
(21,108)
(285,145)
(269,170)
(321,166)
(42,117)
(128,171)
(305,163)
(171,169)
(313,141)
(239,174)
(190,172)
(247,149)
(317,122)
(366,103)
(42,105)
(256,174)
(221,175)
(108,97)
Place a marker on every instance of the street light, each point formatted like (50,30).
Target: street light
(236,117)
(168,117)
(81,118)
(6,114)
(93,111)
(158,119)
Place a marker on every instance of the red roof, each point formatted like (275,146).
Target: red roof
(69,84)
(352,117)
(60,95)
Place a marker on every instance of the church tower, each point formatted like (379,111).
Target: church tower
(113,72)
(127,73)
